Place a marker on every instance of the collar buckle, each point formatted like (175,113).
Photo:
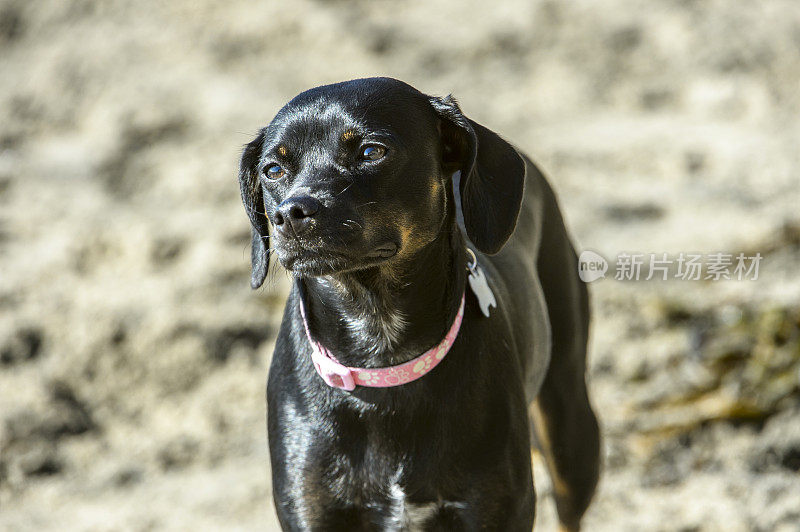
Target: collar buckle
(333,373)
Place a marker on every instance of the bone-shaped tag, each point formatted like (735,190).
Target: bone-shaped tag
(478,284)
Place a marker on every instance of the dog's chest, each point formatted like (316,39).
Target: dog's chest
(413,516)
(377,478)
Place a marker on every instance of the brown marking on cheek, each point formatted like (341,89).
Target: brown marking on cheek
(434,188)
(413,237)
(405,234)
(419,228)
(436,196)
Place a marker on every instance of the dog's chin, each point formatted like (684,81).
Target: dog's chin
(317,263)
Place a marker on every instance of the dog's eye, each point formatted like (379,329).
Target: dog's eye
(373,153)
(274,172)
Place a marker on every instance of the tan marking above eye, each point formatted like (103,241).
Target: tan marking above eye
(282,150)
(348,135)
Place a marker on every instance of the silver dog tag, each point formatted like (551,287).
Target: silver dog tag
(478,284)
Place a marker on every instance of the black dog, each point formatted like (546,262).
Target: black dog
(355,181)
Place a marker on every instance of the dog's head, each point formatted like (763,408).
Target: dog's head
(356,174)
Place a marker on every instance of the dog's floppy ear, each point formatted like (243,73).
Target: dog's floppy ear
(492,176)
(253,198)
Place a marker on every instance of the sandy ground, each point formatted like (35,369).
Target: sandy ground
(133,355)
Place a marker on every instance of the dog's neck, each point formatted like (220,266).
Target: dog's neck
(388,315)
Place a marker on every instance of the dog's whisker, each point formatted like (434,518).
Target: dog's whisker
(355,222)
(351,223)
(254,211)
(345,188)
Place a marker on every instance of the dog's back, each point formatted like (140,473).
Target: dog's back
(563,426)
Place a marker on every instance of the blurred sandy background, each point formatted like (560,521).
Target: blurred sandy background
(133,355)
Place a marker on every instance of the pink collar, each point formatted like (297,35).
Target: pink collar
(340,376)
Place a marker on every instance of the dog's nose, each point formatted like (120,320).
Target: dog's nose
(295,214)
